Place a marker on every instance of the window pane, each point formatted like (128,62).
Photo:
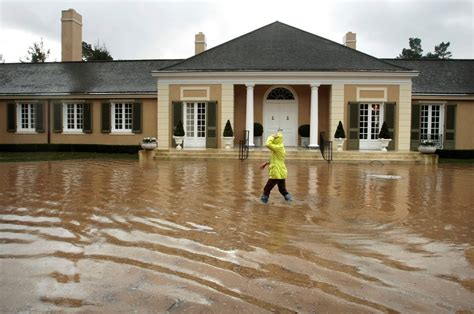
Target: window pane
(128,117)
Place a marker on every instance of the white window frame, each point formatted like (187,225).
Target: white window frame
(123,129)
(442,109)
(369,118)
(195,129)
(31,128)
(75,129)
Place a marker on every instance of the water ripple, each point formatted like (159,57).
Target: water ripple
(192,236)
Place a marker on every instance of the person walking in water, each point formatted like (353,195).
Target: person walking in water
(277,172)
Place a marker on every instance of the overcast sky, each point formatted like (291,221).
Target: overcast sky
(156,29)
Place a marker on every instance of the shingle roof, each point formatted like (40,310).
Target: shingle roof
(280,47)
(120,77)
(440,76)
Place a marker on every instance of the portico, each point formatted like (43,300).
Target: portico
(319,84)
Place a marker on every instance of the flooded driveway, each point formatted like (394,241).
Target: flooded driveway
(180,236)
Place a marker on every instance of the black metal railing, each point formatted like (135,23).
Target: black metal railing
(325,147)
(244,146)
(436,139)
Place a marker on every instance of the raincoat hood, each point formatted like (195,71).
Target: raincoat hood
(278,139)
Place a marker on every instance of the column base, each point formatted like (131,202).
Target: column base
(313,146)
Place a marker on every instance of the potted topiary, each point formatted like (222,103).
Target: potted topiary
(257,134)
(339,136)
(178,135)
(228,136)
(384,137)
(303,131)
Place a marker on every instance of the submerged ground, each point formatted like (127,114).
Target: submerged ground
(118,236)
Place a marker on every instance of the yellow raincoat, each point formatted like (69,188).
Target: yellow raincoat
(277,169)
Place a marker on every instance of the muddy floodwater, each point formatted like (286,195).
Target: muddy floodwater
(189,236)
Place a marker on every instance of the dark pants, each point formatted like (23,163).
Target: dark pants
(271,183)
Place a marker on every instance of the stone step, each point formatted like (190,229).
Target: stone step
(291,155)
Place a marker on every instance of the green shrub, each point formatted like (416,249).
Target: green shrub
(384,133)
(179,130)
(340,131)
(303,130)
(257,129)
(228,130)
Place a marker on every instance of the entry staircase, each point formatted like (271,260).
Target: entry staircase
(292,155)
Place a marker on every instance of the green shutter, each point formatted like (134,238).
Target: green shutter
(57,117)
(389,118)
(450,127)
(211,125)
(39,115)
(105,113)
(87,118)
(353,134)
(415,127)
(137,118)
(11,117)
(177,115)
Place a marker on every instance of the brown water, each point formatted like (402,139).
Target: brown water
(108,235)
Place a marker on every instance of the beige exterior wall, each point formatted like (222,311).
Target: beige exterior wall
(96,137)
(227,108)
(404,118)
(163,117)
(176,93)
(392,93)
(464,138)
(336,109)
(464,125)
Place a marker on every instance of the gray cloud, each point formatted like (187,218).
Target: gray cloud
(165,29)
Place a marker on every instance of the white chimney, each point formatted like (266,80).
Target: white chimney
(350,40)
(71,36)
(199,43)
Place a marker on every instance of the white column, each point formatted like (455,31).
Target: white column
(249,113)
(313,122)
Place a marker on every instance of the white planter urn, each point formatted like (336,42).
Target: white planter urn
(339,143)
(257,140)
(384,143)
(228,142)
(427,149)
(149,146)
(305,142)
(179,141)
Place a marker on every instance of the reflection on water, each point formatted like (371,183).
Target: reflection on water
(192,236)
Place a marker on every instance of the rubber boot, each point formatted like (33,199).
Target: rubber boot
(288,197)
(264,199)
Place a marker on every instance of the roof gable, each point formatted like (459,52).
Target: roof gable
(280,47)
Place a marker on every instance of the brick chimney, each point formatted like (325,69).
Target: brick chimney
(350,40)
(71,35)
(199,43)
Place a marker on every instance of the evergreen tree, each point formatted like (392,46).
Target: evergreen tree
(416,52)
(98,53)
(36,53)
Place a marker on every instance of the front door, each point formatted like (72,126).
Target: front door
(369,126)
(281,115)
(195,124)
